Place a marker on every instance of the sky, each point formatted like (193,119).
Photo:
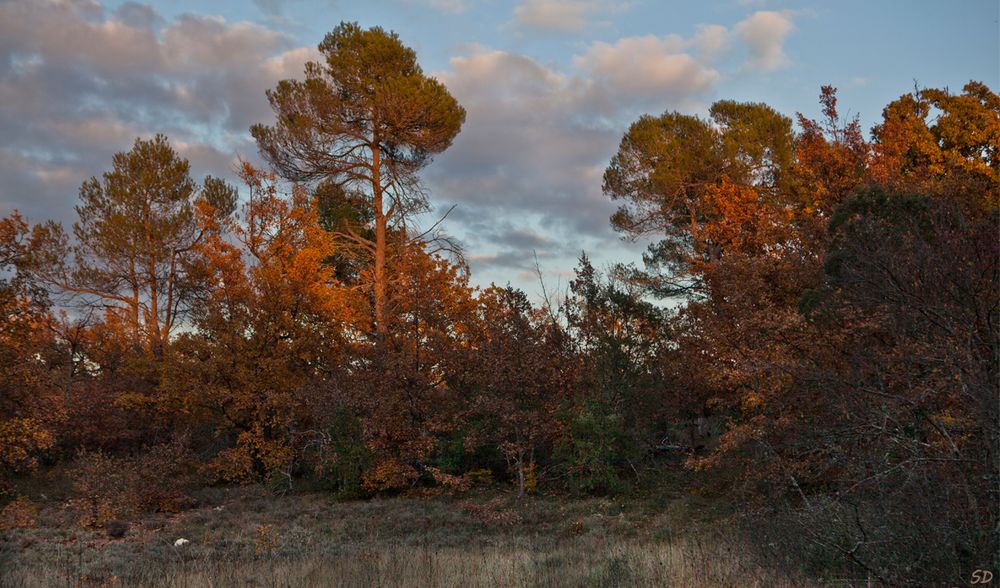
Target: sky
(549,87)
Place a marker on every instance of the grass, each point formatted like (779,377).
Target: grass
(244,537)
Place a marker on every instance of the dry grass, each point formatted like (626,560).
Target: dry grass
(309,540)
(573,563)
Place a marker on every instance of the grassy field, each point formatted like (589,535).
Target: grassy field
(245,537)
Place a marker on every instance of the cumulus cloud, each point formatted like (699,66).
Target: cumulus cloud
(648,66)
(764,34)
(450,6)
(562,15)
(527,147)
(711,41)
(79,83)
(537,138)
(526,138)
(138,15)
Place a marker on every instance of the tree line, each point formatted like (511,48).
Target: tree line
(830,349)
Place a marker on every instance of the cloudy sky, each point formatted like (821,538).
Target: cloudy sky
(549,87)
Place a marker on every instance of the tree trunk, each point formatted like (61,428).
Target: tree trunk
(380,245)
(134,304)
(153,322)
(520,473)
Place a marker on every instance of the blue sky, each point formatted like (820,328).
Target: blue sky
(549,86)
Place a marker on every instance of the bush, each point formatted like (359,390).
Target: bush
(21,441)
(344,457)
(111,487)
(389,474)
(596,449)
(18,514)
(116,529)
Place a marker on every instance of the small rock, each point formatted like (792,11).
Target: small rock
(181,542)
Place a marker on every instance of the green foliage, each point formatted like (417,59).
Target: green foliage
(598,449)
(369,92)
(350,457)
(365,122)
(877,204)
(660,166)
(343,211)
(134,243)
(449,455)
(757,142)
(621,339)
(665,164)
(457,454)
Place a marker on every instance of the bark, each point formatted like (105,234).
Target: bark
(380,244)
(520,474)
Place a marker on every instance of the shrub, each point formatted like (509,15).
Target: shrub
(18,514)
(266,539)
(388,474)
(116,529)
(450,482)
(110,487)
(596,447)
(341,456)
(481,477)
(21,441)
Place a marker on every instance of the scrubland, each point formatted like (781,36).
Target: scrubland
(245,536)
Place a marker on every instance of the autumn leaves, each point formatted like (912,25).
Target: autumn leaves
(833,315)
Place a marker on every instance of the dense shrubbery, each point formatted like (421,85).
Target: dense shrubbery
(155,479)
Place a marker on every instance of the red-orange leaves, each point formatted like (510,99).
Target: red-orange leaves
(742,221)
(269,332)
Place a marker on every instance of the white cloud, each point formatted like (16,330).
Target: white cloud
(529,145)
(764,33)
(562,15)
(541,136)
(711,41)
(79,83)
(646,67)
(537,138)
(449,6)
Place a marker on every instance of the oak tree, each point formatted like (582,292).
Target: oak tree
(29,400)
(267,333)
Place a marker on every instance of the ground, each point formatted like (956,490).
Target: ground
(246,536)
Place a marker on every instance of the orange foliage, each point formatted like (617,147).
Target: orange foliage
(273,321)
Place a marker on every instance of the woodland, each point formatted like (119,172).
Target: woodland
(813,335)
